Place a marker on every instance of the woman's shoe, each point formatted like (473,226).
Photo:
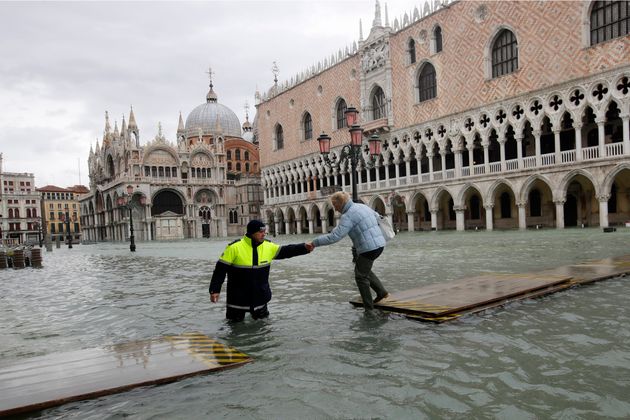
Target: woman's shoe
(382,298)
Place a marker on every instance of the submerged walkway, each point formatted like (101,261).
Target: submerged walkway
(448,301)
(56,379)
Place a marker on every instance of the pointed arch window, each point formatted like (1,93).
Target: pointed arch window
(609,19)
(504,54)
(341,117)
(229,155)
(427,85)
(437,39)
(279,137)
(379,109)
(308,126)
(237,154)
(411,47)
(246,155)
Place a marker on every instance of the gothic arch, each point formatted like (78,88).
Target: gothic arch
(560,192)
(460,198)
(489,198)
(606,184)
(487,49)
(434,200)
(339,104)
(527,185)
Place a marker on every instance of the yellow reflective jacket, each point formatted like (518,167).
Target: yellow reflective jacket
(247,268)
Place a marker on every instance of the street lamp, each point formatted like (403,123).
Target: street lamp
(68,236)
(126,201)
(351,151)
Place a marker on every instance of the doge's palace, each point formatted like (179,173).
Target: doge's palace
(491,114)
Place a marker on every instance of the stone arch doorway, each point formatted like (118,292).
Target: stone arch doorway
(580,206)
(571,210)
(205,214)
(167,211)
(167,201)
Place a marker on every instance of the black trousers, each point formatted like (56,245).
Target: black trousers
(234,314)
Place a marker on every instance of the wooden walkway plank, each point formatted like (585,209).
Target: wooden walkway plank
(55,379)
(443,302)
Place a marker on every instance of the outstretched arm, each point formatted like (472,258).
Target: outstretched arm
(293,250)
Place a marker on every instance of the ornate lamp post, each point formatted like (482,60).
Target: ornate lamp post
(126,201)
(68,236)
(351,151)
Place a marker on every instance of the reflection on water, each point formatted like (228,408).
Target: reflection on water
(562,356)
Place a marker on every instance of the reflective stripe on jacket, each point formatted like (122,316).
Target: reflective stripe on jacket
(247,268)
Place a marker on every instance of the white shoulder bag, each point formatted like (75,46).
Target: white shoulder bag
(386,228)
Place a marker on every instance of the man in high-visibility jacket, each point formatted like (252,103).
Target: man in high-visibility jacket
(247,262)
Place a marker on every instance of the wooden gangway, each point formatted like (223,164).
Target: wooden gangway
(55,379)
(450,300)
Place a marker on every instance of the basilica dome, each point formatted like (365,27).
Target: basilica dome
(212,118)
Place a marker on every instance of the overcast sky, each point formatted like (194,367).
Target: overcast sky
(63,64)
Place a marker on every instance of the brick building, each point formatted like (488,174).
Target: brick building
(492,114)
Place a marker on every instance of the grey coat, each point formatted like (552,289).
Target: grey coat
(360,223)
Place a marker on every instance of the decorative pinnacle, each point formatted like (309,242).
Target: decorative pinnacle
(210,73)
(275,70)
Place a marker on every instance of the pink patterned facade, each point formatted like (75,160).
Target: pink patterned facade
(491,115)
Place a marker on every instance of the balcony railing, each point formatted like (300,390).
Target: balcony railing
(511,165)
(614,149)
(528,162)
(548,159)
(567,156)
(590,153)
(479,169)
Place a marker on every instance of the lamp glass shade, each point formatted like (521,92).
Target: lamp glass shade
(143,200)
(352,114)
(121,201)
(356,135)
(324,143)
(129,189)
(375,145)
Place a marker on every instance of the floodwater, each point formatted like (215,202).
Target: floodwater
(563,356)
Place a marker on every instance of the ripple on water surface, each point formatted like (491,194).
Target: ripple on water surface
(562,356)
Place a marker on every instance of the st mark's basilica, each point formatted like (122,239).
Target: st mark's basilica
(205,185)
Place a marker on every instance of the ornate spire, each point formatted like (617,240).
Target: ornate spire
(275,70)
(180,125)
(116,133)
(108,127)
(246,125)
(360,31)
(211,96)
(377,15)
(132,120)
(123,126)
(386,16)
